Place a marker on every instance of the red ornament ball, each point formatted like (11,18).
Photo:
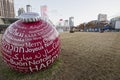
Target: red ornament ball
(30,44)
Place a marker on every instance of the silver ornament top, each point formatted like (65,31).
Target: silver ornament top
(29,17)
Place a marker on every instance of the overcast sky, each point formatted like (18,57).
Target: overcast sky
(81,10)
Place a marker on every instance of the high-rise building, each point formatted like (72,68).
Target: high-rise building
(20,11)
(7,8)
(102,17)
(44,12)
(28,8)
(71,21)
(66,24)
(71,24)
(61,23)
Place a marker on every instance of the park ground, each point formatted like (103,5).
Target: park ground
(83,56)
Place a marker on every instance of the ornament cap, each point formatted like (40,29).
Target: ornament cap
(29,17)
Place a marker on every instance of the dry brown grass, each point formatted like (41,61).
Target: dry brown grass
(84,56)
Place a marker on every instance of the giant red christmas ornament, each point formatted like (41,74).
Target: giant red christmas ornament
(30,44)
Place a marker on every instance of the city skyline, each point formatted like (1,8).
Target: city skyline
(81,10)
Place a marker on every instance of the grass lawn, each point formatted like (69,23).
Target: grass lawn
(84,56)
